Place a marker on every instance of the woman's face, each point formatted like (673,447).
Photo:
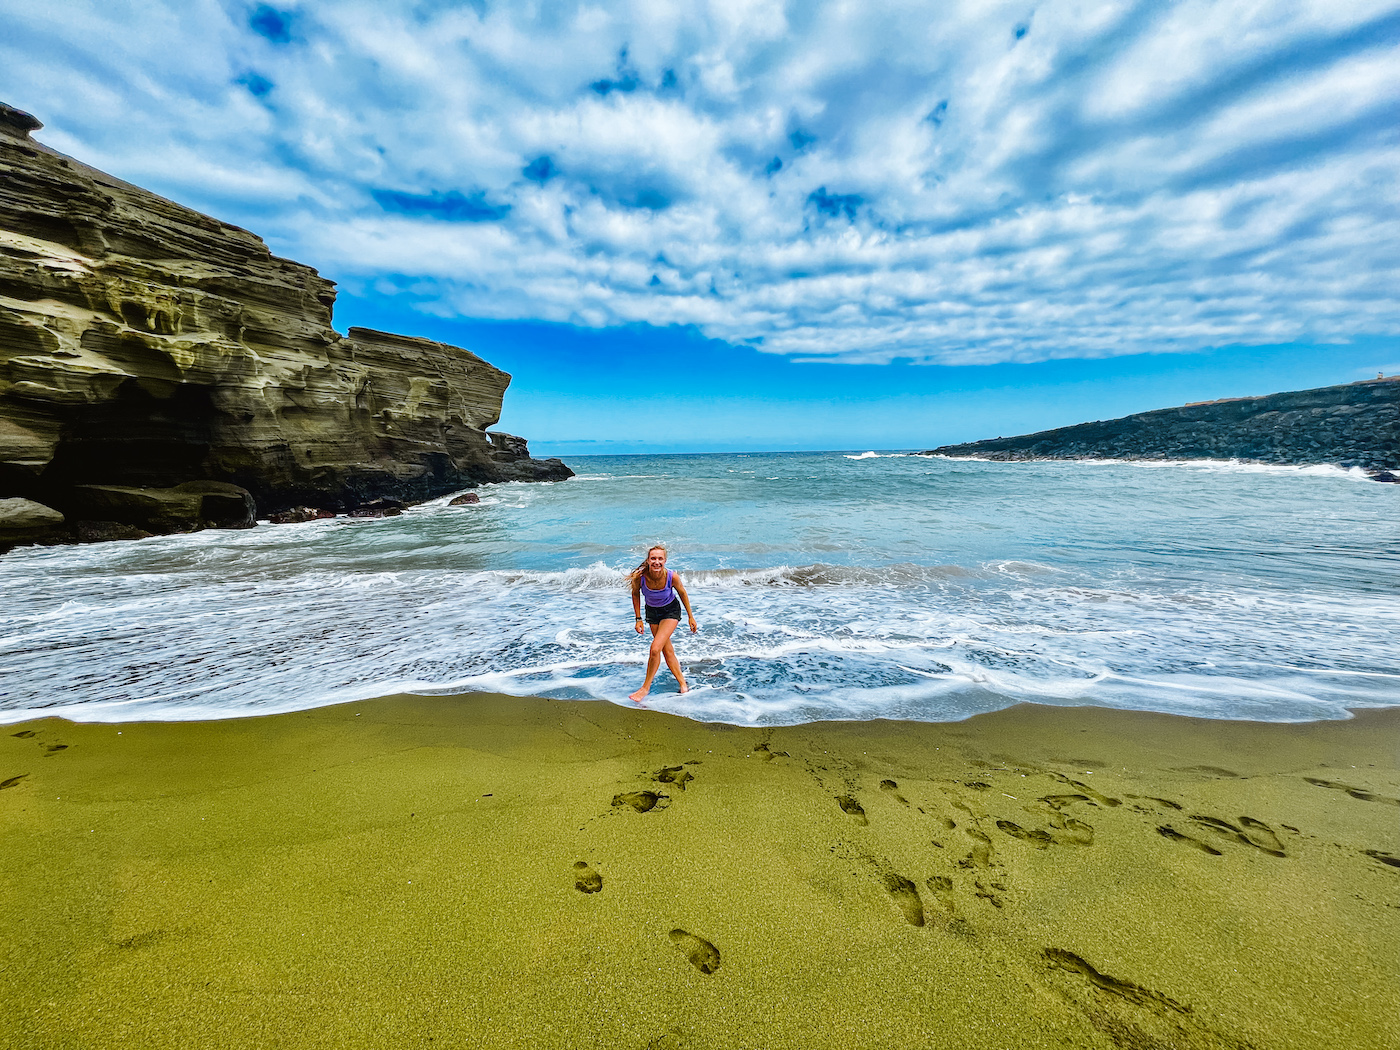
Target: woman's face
(656,560)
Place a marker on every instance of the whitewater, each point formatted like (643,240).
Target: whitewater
(835,585)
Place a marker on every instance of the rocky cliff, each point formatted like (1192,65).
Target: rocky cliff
(1356,425)
(145,346)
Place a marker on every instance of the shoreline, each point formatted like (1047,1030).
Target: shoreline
(406,871)
(59,714)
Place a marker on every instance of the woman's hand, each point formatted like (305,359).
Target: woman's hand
(639,625)
(694,627)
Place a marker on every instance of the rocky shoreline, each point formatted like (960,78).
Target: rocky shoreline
(163,371)
(1351,425)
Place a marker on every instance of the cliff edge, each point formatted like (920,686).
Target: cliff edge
(145,346)
(1353,425)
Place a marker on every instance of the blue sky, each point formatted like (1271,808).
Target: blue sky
(693,226)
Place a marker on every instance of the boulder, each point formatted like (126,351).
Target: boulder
(1385,475)
(24,521)
(465,499)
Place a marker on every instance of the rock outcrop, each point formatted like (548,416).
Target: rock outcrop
(1354,425)
(144,346)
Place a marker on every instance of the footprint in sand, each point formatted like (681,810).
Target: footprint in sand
(1169,832)
(890,788)
(942,909)
(906,896)
(1168,803)
(981,855)
(703,955)
(1354,792)
(1211,771)
(852,808)
(1133,992)
(1085,789)
(1059,802)
(1071,832)
(24,734)
(989,893)
(1374,854)
(1258,834)
(941,887)
(12,781)
(586,880)
(677,775)
(1034,837)
(642,801)
(1261,836)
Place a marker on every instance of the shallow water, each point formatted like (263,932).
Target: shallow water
(828,585)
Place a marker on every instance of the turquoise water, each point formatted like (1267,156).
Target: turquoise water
(828,585)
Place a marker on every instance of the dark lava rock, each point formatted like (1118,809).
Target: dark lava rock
(380,508)
(1385,475)
(104,531)
(464,499)
(1356,424)
(299,514)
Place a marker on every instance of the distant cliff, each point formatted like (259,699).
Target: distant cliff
(144,346)
(1356,425)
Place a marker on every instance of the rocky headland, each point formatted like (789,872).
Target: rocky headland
(1352,425)
(161,370)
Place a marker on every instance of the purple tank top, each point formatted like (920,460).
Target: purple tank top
(660,597)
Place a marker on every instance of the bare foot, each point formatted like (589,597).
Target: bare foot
(683,689)
(636,697)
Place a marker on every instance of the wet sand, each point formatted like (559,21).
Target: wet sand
(492,871)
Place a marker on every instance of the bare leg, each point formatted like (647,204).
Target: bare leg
(674,664)
(661,638)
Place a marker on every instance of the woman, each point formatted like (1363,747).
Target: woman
(664,594)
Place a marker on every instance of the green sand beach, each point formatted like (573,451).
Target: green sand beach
(491,871)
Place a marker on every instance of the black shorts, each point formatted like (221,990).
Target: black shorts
(657,613)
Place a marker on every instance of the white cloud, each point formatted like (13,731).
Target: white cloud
(979,182)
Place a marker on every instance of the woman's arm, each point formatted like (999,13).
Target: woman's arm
(637,604)
(685,600)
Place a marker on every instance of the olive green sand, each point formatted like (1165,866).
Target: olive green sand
(489,871)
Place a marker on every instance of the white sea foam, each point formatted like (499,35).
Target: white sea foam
(911,588)
(1228,465)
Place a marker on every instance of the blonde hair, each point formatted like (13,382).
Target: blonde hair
(635,575)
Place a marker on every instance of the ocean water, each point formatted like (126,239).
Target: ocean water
(827,585)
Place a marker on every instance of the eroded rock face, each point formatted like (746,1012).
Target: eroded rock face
(143,344)
(1353,425)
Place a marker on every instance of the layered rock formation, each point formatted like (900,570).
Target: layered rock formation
(1355,425)
(144,346)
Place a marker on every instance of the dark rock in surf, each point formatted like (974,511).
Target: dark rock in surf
(465,499)
(106,531)
(299,514)
(380,508)
(1385,475)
